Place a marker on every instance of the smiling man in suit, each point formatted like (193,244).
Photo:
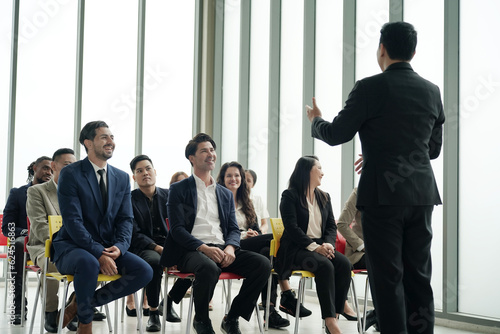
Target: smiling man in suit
(94,198)
(204,239)
(399,117)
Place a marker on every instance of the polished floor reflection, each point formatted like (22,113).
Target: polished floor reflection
(309,325)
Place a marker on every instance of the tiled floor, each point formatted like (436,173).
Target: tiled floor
(309,325)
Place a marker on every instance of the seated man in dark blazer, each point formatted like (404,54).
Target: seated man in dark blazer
(94,199)
(204,238)
(15,227)
(149,204)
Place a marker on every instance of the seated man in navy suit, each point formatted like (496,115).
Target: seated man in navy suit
(94,199)
(204,238)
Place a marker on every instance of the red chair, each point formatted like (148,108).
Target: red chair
(3,255)
(340,246)
(223,277)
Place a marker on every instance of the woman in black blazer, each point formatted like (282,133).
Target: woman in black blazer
(308,242)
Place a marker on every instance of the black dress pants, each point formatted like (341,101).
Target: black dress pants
(398,250)
(332,279)
(254,267)
(261,244)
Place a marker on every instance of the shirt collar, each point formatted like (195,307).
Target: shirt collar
(96,168)
(201,183)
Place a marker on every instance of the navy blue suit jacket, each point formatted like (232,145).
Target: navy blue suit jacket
(143,222)
(15,210)
(85,223)
(182,208)
(399,117)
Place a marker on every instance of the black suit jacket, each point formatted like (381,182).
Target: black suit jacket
(15,211)
(142,236)
(182,208)
(296,221)
(399,117)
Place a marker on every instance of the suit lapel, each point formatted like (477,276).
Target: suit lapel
(52,195)
(89,173)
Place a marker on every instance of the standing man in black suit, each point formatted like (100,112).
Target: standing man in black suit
(399,117)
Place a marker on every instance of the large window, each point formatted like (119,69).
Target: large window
(5,47)
(230,82)
(479,189)
(370,17)
(109,72)
(427,16)
(168,86)
(45,82)
(258,129)
(328,91)
(291,108)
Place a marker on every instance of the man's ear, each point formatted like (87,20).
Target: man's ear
(87,143)
(133,176)
(191,159)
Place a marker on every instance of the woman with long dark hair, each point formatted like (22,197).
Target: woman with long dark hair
(308,242)
(232,176)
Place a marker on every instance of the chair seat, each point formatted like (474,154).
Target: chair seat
(303,273)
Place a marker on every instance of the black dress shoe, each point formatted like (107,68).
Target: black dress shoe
(172,316)
(203,327)
(154,324)
(276,321)
(230,326)
(51,322)
(145,312)
(288,304)
(371,319)
(349,317)
(131,312)
(73,324)
(98,316)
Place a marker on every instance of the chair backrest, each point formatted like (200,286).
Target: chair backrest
(340,243)
(55,223)
(3,238)
(278,228)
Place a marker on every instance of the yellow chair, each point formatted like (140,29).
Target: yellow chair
(55,223)
(278,228)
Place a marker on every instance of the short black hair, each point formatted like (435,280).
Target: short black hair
(399,39)
(192,146)
(254,175)
(137,159)
(60,152)
(89,131)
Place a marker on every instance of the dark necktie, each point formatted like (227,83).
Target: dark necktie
(102,186)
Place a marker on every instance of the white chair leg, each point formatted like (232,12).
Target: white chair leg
(268,300)
(33,315)
(367,287)
(61,316)
(297,309)
(259,321)
(164,320)
(190,310)
(23,291)
(108,318)
(138,307)
(355,297)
